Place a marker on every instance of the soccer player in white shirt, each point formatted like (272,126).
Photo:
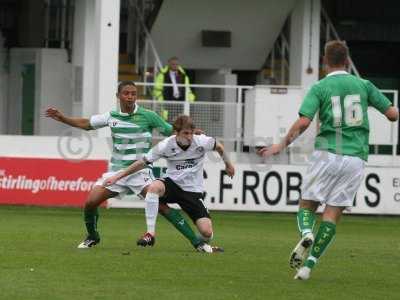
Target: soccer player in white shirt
(131,131)
(183,181)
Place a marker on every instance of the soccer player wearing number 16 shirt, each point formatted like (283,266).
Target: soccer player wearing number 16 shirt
(341,148)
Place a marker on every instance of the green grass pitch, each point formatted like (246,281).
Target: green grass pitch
(39,259)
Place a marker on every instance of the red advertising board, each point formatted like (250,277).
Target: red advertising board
(47,182)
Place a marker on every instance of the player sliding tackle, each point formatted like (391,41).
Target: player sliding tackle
(183,182)
(341,147)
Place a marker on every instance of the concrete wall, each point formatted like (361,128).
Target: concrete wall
(18,57)
(254,26)
(54,89)
(86,86)
(304,43)
(3,86)
(53,75)
(223,117)
(83,51)
(95,56)
(278,108)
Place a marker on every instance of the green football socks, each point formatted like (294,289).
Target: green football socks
(176,219)
(325,235)
(305,221)
(91,217)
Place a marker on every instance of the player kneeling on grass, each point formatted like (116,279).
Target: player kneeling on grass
(183,182)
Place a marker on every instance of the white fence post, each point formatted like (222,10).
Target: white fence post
(239,128)
(395,124)
(186,107)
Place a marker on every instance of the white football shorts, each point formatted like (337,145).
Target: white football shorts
(333,179)
(135,182)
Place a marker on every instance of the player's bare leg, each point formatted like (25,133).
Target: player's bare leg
(97,195)
(305,222)
(204,226)
(323,239)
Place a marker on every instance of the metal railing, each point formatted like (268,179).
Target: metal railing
(58,24)
(392,138)
(145,48)
(279,60)
(218,110)
(221,114)
(331,33)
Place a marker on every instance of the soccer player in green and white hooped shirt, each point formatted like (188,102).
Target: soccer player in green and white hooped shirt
(131,130)
(341,148)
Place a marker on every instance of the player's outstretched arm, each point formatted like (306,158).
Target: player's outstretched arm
(392,114)
(229,168)
(133,168)
(55,114)
(297,129)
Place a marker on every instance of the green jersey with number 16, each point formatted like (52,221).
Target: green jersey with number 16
(342,100)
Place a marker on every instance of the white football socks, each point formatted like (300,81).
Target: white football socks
(151,210)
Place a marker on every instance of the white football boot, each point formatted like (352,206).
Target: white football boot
(303,273)
(88,243)
(300,252)
(204,247)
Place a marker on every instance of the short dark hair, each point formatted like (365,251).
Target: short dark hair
(183,122)
(125,83)
(336,53)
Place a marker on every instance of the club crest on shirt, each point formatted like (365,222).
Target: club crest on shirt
(173,152)
(200,149)
(114,123)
